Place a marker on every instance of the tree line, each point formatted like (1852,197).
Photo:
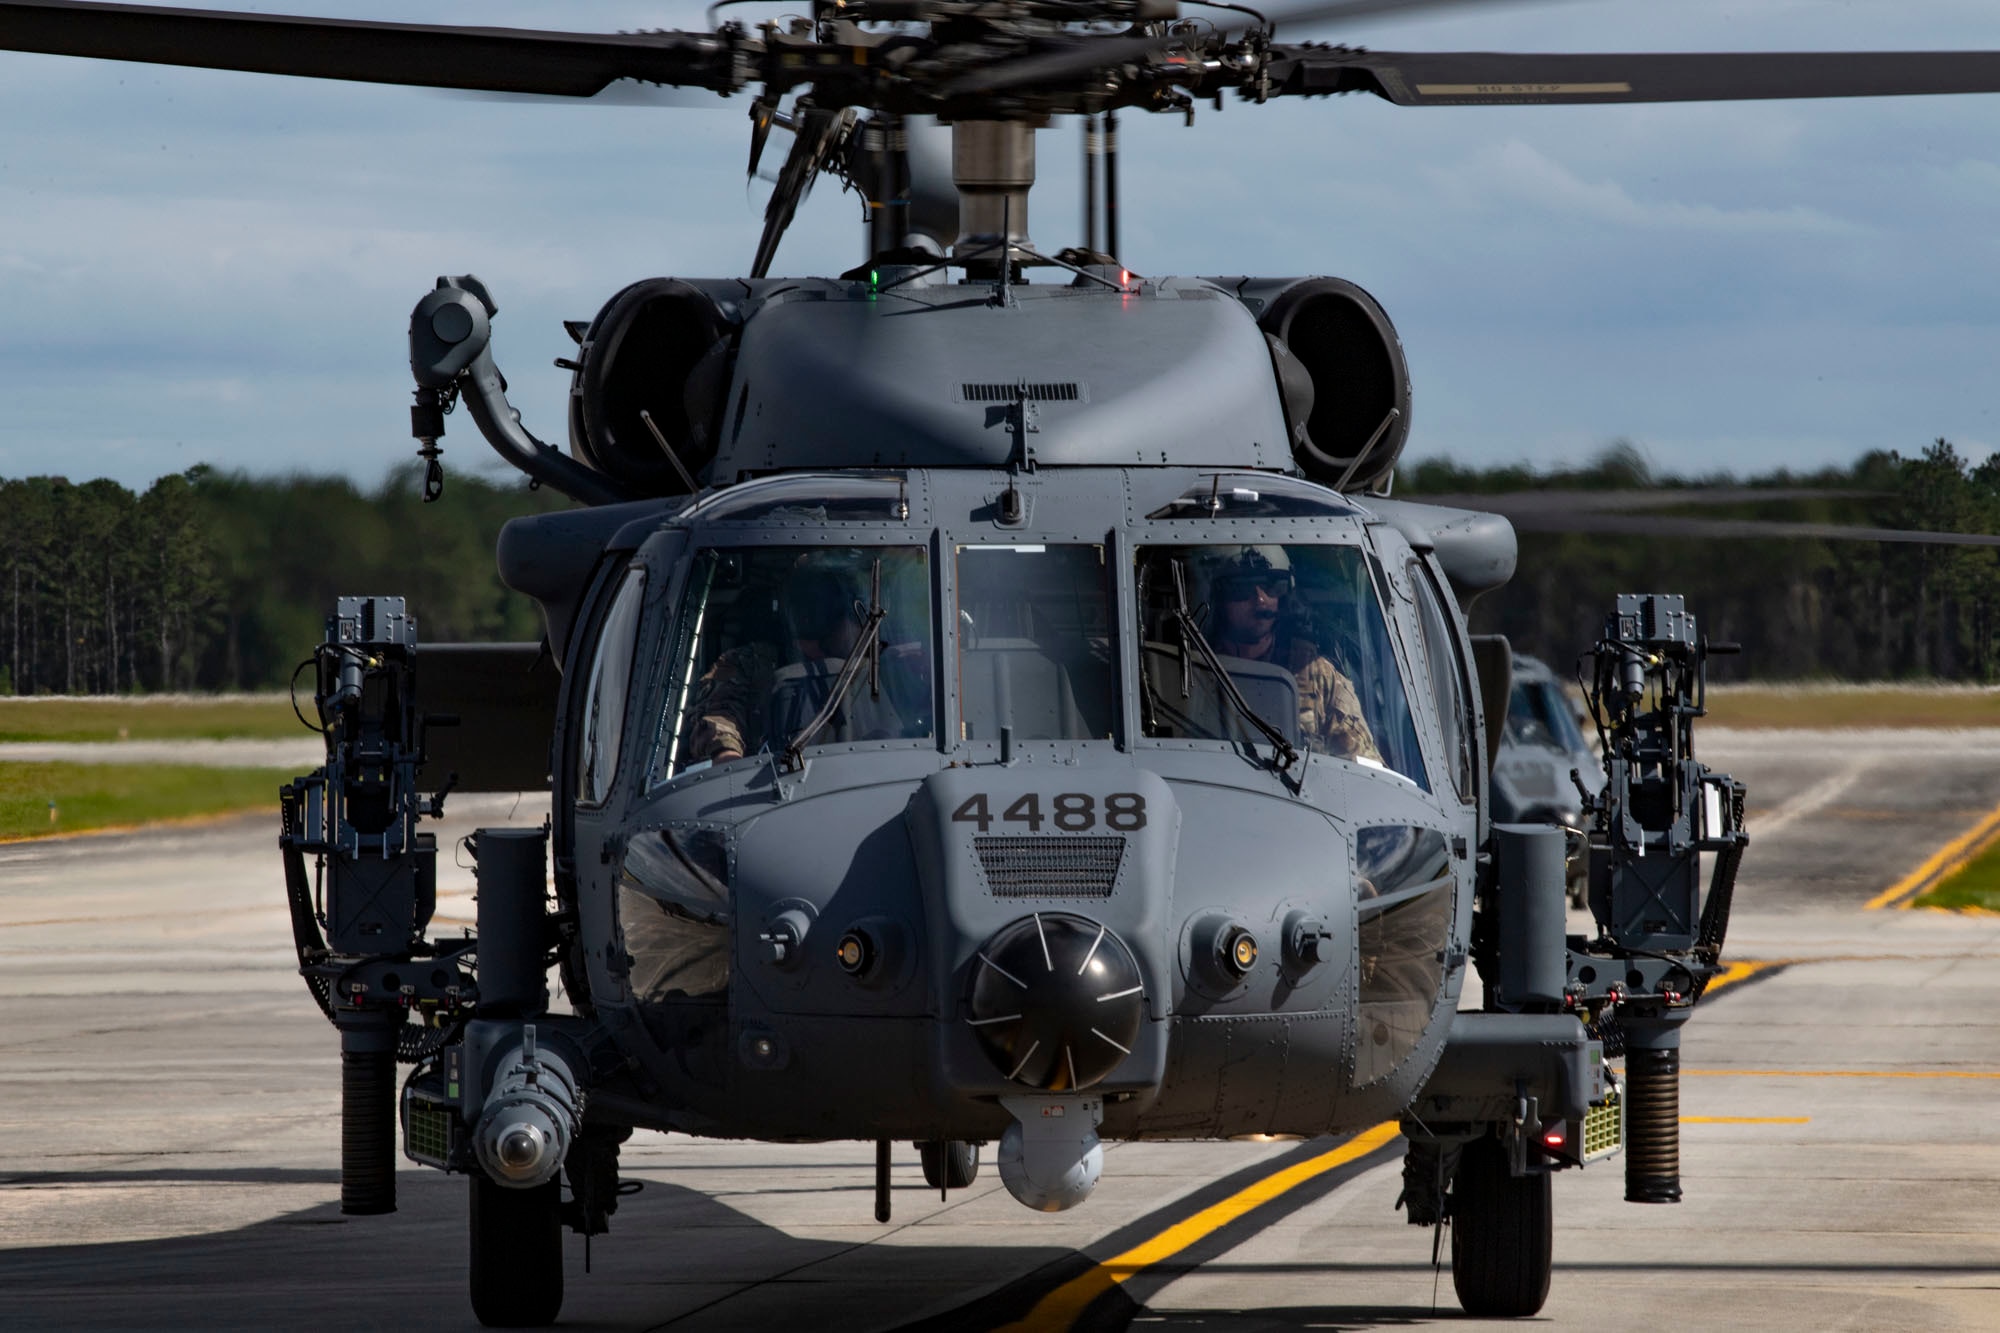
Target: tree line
(1802,607)
(212,580)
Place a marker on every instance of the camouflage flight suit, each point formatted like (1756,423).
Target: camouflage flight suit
(1330,716)
(730,702)
(733,701)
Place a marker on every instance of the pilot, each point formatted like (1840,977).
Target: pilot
(823,611)
(1249,587)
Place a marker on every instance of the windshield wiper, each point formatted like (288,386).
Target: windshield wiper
(850,671)
(1191,635)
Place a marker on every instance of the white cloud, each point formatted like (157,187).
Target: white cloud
(1513,176)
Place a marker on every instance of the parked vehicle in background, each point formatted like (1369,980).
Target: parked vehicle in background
(1541,745)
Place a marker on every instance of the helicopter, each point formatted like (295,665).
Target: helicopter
(932,650)
(1544,771)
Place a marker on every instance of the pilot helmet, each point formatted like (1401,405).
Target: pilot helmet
(1232,573)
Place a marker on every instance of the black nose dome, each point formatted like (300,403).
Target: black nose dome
(1057,1001)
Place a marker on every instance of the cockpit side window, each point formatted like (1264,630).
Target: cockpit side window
(1447,682)
(1301,632)
(762,636)
(610,681)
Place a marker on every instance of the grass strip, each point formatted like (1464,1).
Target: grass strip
(173,717)
(39,800)
(1792,706)
(1974,885)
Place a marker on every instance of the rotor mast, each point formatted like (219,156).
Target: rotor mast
(993,166)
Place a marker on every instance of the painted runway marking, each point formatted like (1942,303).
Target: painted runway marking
(1941,863)
(1062,1307)
(1739,971)
(1808,802)
(1841,1073)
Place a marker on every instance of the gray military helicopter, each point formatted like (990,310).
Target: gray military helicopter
(980,709)
(1544,771)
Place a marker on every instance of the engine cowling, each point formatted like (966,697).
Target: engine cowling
(660,346)
(1349,427)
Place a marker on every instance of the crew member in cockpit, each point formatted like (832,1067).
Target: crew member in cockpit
(1249,587)
(822,613)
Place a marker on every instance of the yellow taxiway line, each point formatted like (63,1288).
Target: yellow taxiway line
(1939,864)
(1841,1073)
(1742,970)
(1062,1307)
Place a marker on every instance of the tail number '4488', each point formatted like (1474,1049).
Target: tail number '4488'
(1071,811)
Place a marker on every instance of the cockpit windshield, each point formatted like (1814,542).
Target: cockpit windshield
(1300,630)
(1538,713)
(762,636)
(1034,643)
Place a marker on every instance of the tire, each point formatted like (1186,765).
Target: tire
(1502,1235)
(951,1164)
(517,1274)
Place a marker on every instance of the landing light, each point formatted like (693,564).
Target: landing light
(854,953)
(1244,952)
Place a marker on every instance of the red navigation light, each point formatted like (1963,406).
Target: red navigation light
(1554,1138)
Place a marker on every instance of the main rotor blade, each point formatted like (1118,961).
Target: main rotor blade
(1615,513)
(1735,529)
(1081,53)
(1519,503)
(1476,78)
(504,60)
(1336,11)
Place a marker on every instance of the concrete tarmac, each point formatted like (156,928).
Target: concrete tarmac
(169,1134)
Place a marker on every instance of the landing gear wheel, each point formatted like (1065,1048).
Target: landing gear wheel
(951,1164)
(517,1274)
(1502,1234)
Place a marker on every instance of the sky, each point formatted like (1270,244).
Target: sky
(204,267)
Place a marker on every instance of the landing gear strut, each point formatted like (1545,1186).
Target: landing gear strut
(517,1274)
(1502,1234)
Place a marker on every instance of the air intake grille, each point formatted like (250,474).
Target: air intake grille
(1066,391)
(1050,867)
(427,1131)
